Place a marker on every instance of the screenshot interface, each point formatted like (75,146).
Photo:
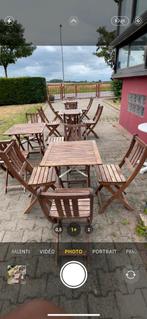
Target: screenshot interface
(73,159)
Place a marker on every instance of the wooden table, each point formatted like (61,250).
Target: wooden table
(76,153)
(27,129)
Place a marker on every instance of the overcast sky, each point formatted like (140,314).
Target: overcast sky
(41,19)
(80,64)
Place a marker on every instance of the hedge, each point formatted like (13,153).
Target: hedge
(22,90)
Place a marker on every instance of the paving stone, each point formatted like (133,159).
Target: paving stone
(34,235)
(131,305)
(105,306)
(13,236)
(34,288)
(80,306)
(10,225)
(144,292)
(25,224)
(2,234)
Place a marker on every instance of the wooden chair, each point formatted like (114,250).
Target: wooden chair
(74,132)
(111,176)
(92,123)
(54,139)
(85,112)
(67,204)
(19,167)
(32,117)
(56,113)
(71,118)
(3,146)
(72,105)
(51,126)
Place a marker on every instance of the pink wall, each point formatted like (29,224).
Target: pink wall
(129,120)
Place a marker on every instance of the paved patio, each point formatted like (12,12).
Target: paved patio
(117,224)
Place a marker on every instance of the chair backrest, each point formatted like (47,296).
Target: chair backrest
(16,163)
(74,132)
(42,115)
(67,202)
(51,107)
(88,108)
(135,156)
(90,103)
(71,118)
(72,105)
(98,113)
(32,117)
(3,146)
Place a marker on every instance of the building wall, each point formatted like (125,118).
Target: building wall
(128,120)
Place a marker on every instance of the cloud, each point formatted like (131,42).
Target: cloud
(79,62)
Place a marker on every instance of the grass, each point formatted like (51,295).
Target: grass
(14,114)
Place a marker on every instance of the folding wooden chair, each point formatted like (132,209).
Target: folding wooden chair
(32,117)
(3,146)
(54,139)
(56,113)
(72,105)
(19,167)
(74,132)
(111,177)
(73,118)
(51,126)
(85,112)
(67,204)
(91,124)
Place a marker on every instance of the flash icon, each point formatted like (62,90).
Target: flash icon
(9,20)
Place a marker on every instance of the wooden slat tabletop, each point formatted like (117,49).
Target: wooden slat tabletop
(25,128)
(72,153)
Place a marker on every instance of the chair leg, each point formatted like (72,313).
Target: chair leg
(98,189)
(6,181)
(118,195)
(91,130)
(32,203)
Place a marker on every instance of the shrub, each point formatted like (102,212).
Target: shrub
(22,90)
(117,88)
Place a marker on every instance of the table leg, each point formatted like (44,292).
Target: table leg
(58,174)
(40,143)
(19,141)
(88,173)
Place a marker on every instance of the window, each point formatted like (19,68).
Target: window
(137,51)
(141,7)
(132,54)
(136,104)
(126,10)
(123,57)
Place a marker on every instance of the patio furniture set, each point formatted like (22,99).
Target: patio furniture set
(60,158)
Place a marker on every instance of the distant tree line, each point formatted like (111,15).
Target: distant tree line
(61,81)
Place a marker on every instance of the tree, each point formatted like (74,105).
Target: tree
(13,45)
(104,49)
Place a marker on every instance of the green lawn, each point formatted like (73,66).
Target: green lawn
(13,114)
